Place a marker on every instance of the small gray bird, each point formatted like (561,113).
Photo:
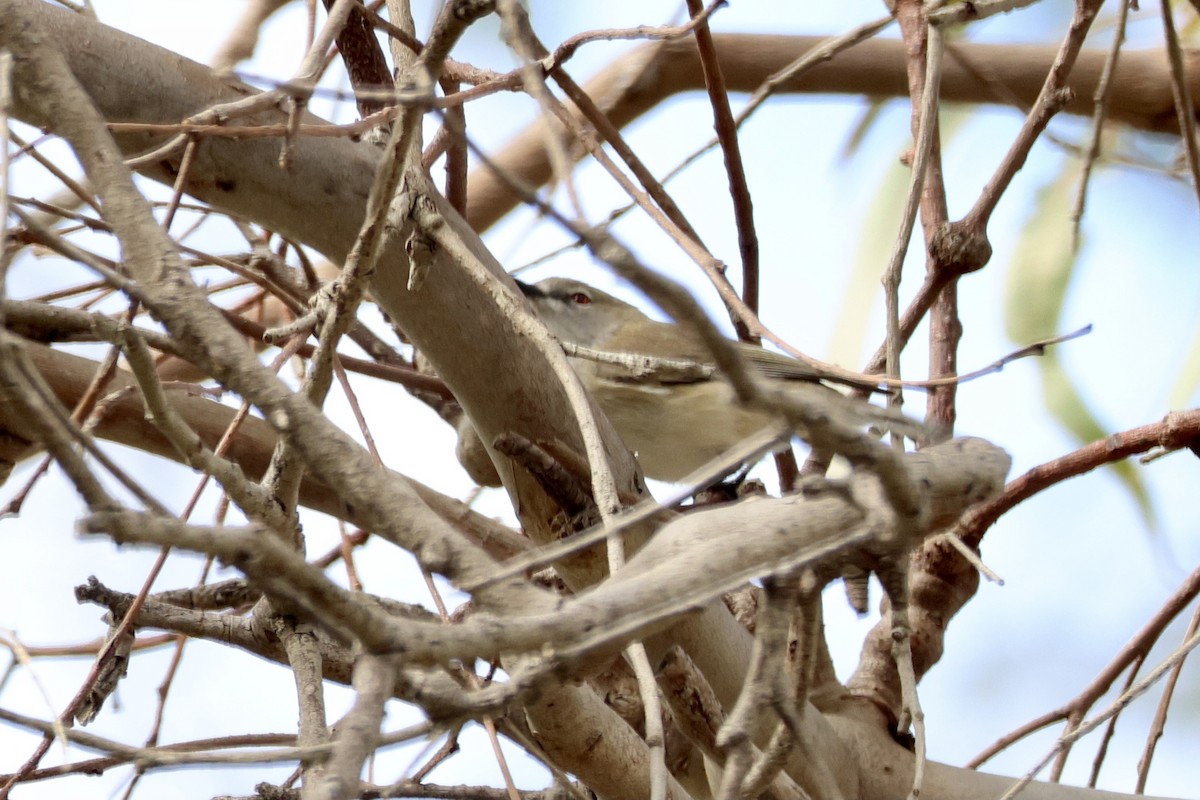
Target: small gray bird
(674,419)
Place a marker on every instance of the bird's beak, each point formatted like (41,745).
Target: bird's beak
(528,289)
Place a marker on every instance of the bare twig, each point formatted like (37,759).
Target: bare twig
(363,58)
(924,48)
(1179,429)
(1102,98)
(1184,108)
(925,142)
(1160,713)
(1131,655)
(358,731)
(1053,96)
(1127,697)
(739,188)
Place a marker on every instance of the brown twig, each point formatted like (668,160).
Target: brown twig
(61,435)
(185,168)
(69,325)
(454,129)
(1110,731)
(1160,713)
(1178,430)
(945,329)
(364,60)
(73,185)
(181,641)
(1183,99)
(1054,95)
(276,130)
(1103,97)
(941,581)
(925,144)
(1036,349)
(1131,654)
(739,188)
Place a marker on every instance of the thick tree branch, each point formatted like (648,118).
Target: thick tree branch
(1006,74)
(125,423)
(503,382)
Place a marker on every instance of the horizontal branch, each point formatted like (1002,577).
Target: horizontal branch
(503,382)
(823,531)
(973,73)
(125,423)
(1178,430)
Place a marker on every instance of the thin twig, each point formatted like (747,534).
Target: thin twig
(1180,87)
(1160,713)
(739,187)
(1102,97)
(1106,738)
(181,179)
(6,251)
(926,136)
(1053,96)
(1142,686)
(519,36)
(73,185)
(976,10)
(546,555)
(1179,429)
(1130,656)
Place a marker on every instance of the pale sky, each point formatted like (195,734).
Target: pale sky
(1082,572)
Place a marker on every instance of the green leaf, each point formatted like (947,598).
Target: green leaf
(862,288)
(870,115)
(1038,281)
(1043,263)
(1066,405)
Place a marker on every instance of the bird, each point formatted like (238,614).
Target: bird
(679,415)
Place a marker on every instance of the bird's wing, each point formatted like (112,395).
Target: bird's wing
(693,362)
(776,365)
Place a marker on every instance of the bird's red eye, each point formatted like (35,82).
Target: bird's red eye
(581,299)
